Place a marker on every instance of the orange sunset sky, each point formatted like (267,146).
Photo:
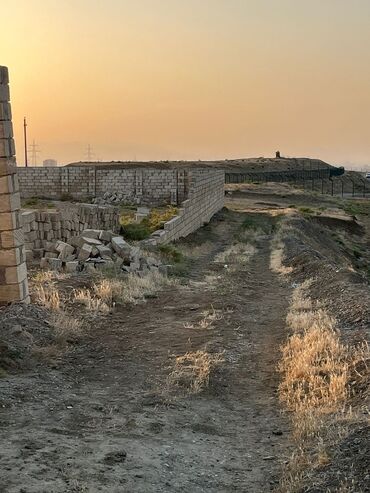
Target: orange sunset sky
(194,79)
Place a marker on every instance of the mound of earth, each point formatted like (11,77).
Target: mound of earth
(235,165)
(22,327)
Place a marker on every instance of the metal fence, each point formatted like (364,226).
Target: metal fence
(326,181)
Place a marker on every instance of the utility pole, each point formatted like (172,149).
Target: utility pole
(25,142)
(35,151)
(89,153)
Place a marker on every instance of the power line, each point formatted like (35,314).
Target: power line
(25,142)
(89,153)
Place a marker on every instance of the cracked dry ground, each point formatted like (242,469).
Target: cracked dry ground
(101,420)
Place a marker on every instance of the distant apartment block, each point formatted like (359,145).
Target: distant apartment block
(50,163)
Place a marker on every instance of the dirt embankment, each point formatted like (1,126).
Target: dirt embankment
(326,361)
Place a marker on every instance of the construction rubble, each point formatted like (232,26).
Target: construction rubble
(94,249)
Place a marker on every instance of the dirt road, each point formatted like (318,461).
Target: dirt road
(102,420)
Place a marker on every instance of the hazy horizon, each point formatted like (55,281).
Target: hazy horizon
(165,79)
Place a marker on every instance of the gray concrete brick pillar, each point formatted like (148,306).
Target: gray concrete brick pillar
(13,270)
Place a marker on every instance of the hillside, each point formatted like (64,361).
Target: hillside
(237,165)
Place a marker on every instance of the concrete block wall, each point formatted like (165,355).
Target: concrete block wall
(40,227)
(146,186)
(206,197)
(13,271)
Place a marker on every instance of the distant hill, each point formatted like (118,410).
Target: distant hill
(236,165)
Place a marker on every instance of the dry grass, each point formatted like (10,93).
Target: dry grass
(236,255)
(196,250)
(44,276)
(132,289)
(277,257)
(319,375)
(207,320)
(48,297)
(192,371)
(92,303)
(66,327)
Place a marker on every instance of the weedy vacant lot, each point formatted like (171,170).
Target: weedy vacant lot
(237,372)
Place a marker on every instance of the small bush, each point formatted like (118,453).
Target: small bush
(171,253)
(66,197)
(31,202)
(306,210)
(158,217)
(136,231)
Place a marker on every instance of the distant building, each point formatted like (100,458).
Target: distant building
(50,162)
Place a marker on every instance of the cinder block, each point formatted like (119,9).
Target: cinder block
(4,92)
(8,221)
(7,166)
(10,293)
(10,257)
(5,111)
(6,130)
(9,202)
(4,75)
(11,239)
(16,274)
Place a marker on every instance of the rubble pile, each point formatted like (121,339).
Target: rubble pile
(95,248)
(110,198)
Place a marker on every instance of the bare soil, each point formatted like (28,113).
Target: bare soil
(101,417)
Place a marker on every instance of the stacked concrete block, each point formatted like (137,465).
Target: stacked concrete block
(41,228)
(13,271)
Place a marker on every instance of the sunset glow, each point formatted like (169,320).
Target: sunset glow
(169,79)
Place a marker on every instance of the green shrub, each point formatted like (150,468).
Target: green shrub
(135,231)
(306,210)
(31,202)
(66,197)
(171,253)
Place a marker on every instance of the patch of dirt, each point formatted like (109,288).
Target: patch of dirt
(349,465)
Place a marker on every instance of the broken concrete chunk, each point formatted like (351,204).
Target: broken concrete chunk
(92,233)
(91,241)
(71,266)
(65,250)
(120,246)
(105,236)
(104,251)
(94,251)
(61,246)
(44,263)
(55,263)
(51,255)
(85,252)
(49,246)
